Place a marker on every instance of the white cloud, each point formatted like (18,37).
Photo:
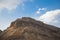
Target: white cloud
(10,4)
(51,17)
(42,9)
(39,10)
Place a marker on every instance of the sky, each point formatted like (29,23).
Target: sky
(47,11)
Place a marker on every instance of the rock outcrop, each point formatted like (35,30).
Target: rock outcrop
(29,29)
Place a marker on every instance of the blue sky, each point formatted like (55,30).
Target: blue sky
(47,11)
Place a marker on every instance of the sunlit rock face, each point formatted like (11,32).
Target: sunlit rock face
(30,29)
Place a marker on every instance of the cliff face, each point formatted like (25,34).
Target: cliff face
(29,29)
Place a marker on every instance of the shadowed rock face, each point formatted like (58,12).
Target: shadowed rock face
(0,31)
(29,29)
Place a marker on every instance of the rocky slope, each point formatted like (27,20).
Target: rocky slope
(29,29)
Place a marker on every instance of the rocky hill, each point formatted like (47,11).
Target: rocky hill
(29,29)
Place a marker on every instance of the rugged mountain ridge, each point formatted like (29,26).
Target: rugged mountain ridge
(29,29)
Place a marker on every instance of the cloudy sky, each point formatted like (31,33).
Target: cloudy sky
(47,11)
